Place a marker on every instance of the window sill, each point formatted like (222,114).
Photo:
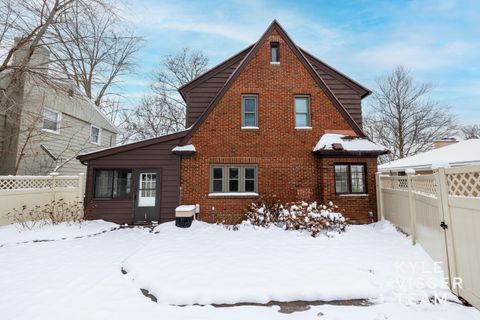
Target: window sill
(111,199)
(95,143)
(250,128)
(303,128)
(353,195)
(51,131)
(275,63)
(233,194)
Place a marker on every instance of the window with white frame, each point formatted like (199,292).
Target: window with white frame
(238,178)
(249,112)
(95,134)
(302,112)
(51,120)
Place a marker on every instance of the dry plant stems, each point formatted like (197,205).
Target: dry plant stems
(55,212)
(311,217)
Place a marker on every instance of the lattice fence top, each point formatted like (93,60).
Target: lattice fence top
(424,184)
(37,182)
(464,184)
(395,183)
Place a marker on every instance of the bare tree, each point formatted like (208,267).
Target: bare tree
(27,28)
(403,117)
(163,111)
(470,131)
(28,22)
(94,48)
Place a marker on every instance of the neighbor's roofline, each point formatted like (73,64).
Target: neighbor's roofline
(428,166)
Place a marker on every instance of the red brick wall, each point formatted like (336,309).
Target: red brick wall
(356,207)
(287,169)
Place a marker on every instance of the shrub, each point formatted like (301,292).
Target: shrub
(301,215)
(55,212)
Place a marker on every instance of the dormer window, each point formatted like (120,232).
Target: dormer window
(274,52)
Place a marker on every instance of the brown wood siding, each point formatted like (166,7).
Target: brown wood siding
(155,156)
(201,95)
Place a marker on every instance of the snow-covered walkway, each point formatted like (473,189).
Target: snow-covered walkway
(82,279)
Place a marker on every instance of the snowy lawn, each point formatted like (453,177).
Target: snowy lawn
(208,264)
(14,233)
(81,278)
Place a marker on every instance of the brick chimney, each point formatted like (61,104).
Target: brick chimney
(443,142)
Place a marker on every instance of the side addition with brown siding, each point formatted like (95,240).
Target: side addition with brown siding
(153,155)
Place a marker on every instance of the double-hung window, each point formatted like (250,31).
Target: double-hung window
(249,112)
(95,134)
(229,178)
(350,178)
(302,112)
(112,184)
(51,120)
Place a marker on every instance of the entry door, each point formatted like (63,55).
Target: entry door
(147,204)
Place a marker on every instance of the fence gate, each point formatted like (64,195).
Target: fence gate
(442,212)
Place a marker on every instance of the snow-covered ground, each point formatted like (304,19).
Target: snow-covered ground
(14,233)
(81,278)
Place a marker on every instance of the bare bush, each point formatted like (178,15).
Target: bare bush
(55,212)
(311,217)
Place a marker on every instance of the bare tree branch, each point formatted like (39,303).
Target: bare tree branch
(163,111)
(403,118)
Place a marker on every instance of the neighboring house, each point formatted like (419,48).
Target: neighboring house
(272,122)
(57,123)
(456,154)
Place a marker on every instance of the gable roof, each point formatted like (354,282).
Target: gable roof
(363,91)
(130,146)
(298,53)
(211,72)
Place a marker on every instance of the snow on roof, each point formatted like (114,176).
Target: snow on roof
(461,153)
(186,148)
(328,140)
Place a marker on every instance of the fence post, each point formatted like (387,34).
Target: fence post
(378,186)
(413,215)
(444,209)
(81,185)
(53,185)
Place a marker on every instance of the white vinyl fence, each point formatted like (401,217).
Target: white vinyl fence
(32,191)
(441,211)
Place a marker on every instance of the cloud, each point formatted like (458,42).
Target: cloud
(417,54)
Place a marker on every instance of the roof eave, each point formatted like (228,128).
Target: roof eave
(356,153)
(130,146)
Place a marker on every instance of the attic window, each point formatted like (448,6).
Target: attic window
(274,52)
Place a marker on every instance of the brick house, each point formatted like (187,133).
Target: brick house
(272,121)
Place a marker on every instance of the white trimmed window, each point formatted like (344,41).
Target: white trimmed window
(95,133)
(238,178)
(51,120)
(302,112)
